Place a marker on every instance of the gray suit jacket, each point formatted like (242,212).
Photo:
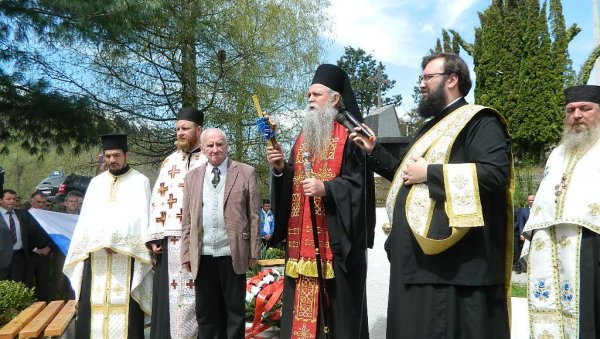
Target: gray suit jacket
(240,204)
(6,246)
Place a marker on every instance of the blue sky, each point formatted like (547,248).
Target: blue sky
(399,32)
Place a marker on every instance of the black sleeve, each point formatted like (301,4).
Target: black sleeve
(281,194)
(382,162)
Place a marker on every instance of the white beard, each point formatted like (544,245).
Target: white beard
(580,141)
(317,128)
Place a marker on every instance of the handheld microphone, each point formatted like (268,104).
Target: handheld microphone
(341,118)
(349,121)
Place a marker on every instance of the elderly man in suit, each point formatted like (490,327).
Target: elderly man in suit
(17,231)
(219,239)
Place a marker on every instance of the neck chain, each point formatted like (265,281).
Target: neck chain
(571,159)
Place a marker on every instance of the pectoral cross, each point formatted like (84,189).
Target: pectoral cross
(560,187)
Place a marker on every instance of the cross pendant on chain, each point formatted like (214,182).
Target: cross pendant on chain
(560,187)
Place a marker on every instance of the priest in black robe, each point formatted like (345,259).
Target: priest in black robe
(330,170)
(450,207)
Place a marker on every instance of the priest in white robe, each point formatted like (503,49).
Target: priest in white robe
(564,228)
(173,297)
(107,264)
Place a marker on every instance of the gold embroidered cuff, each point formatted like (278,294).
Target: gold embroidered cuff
(463,204)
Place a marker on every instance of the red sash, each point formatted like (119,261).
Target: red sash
(301,262)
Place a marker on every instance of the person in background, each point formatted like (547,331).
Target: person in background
(267,221)
(38,270)
(522,216)
(18,233)
(61,286)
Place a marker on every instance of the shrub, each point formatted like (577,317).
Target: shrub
(15,298)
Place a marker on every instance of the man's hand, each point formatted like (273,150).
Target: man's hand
(275,157)
(110,250)
(361,141)
(522,238)
(43,251)
(313,187)
(415,171)
(186,266)
(267,236)
(156,248)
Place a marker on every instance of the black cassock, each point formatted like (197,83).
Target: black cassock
(458,293)
(161,317)
(350,209)
(589,285)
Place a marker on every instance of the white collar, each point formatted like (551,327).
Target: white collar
(222,167)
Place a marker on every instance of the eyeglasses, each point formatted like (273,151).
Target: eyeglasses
(428,77)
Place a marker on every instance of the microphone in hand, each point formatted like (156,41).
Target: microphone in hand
(349,121)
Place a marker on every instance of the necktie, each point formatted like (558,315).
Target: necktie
(11,224)
(216,177)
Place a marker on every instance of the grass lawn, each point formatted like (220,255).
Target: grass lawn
(519,290)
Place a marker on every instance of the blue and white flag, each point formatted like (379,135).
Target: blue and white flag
(59,226)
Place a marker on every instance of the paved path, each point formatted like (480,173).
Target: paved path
(378,288)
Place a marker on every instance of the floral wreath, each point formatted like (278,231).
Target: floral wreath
(263,294)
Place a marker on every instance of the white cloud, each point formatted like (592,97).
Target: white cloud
(397,32)
(451,12)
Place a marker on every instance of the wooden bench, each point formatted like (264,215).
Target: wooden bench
(51,319)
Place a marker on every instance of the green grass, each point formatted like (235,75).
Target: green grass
(519,290)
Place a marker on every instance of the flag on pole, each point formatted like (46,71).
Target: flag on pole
(59,226)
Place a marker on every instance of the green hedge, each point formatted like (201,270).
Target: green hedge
(15,298)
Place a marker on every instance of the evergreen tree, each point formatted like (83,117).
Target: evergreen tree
(362,68)
(141,61)
(522,64)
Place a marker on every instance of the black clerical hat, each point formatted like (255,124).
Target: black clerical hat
(191,114)
(114,141)
(337,79)
(590,93)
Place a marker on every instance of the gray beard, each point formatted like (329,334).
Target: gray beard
(317,128)
(581,141)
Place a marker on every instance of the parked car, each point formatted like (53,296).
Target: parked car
(49,186)
(73,182)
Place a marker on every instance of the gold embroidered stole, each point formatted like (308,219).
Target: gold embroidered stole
(301,263)
(109,297)
(463,205)
(554,282)
(301,247)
